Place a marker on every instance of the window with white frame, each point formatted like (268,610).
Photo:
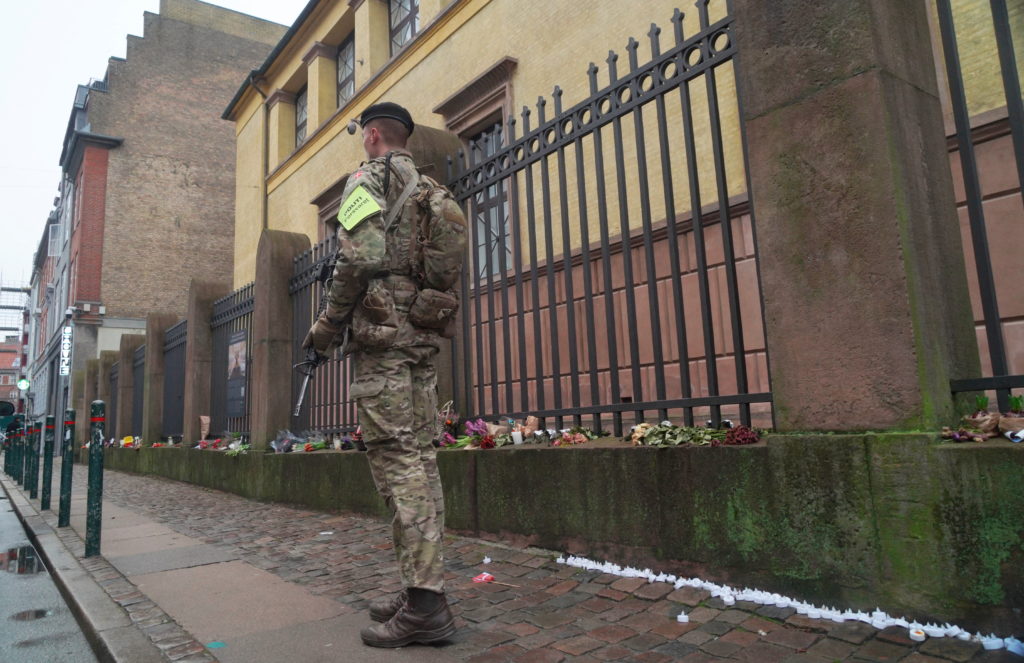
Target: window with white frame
(346,70)
(403,22)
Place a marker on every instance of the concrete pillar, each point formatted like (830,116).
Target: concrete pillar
(126,383)
(865,293)
(199,353)
(373,44)
(321,85)
(270,383)
(90,392)
(281,126)
(108,359)
(430,149)
(153,390)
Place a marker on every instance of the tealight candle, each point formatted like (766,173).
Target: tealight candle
(991,642)
(917,635)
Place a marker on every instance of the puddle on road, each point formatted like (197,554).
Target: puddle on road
(22,561)
(29,615)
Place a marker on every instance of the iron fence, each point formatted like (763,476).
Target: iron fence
(175,339)
(112,380)
(612,265)
(326,406)
(138,388)
(232,350)
(991,201)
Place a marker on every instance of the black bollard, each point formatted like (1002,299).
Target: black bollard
(94,502)
(33,461)
(44,499)
(16,460)
(66,465)
(26,434)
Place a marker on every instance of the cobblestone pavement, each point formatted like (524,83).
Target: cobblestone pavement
(545,612)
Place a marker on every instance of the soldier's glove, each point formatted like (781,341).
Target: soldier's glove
(324,335)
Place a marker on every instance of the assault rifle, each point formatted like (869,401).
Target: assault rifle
(314,359)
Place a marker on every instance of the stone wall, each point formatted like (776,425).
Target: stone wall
(896,521)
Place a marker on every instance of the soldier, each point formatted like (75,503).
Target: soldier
(396,252)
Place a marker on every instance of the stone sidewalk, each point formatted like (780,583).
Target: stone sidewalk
(543,612)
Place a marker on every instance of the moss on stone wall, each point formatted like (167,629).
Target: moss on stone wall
(896,520)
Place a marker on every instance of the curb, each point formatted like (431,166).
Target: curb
(109,630)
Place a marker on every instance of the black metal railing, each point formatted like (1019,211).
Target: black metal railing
(326,406)
(232,350)
(111,417)
(612,249)
(1005,221)
(175,339)
(138,388)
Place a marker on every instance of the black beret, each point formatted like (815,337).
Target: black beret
(387,109)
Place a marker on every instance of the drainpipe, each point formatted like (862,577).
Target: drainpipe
(264,203)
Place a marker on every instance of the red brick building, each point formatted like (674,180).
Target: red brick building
(147,191)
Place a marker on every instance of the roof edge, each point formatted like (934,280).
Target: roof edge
(228,113)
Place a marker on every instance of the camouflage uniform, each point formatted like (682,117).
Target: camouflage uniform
(395,388)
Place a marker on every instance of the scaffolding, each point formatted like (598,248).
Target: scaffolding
(13,300)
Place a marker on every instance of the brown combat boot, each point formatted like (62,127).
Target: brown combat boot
(384,609)
(424,618)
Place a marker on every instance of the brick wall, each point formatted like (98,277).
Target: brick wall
(168,213)
(87,238)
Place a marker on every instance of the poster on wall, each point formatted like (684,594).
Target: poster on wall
(237,360)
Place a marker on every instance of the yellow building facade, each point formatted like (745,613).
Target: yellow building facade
(534,45)
(463,66)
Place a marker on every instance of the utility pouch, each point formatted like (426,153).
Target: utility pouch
(434,309)
(375,320)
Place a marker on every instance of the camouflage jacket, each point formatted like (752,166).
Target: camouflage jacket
(368,252)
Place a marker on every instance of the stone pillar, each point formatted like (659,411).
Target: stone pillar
(373,45)
(107,359)
(430,149)
(199,354)
(270,383)
(281,126)
(321,85)
(865,293)
(90,392)
(153,390)
(126,383)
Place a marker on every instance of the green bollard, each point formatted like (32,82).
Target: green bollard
(33,462)
(26,434)
(19,466)
(44,500)
(16,460)
(94,503)
(66,466)
(9,453)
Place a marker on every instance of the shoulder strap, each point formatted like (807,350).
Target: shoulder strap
(396,209)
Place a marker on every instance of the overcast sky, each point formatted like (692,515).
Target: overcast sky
(46,49)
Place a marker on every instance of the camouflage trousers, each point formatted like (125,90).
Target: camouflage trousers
(396,400)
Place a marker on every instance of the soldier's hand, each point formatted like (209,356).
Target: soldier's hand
(321,336)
